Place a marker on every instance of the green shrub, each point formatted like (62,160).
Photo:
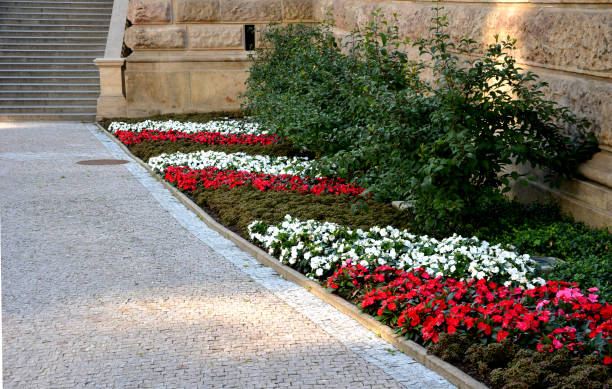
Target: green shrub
(370,116)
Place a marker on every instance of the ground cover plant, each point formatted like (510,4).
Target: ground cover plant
(247,200)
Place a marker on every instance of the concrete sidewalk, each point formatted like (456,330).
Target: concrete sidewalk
(108,281)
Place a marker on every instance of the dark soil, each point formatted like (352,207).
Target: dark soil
(146,150)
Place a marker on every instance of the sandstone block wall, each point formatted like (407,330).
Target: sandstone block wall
(189,55)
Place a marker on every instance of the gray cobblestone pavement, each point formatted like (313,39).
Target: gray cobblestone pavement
(108,281)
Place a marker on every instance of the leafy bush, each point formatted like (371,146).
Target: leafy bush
(371,116)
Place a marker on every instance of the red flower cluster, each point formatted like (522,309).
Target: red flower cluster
(553,316)
(211,177)
(209,138)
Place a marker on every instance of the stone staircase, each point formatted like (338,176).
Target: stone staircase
(46,53)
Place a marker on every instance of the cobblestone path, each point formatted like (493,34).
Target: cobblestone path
(108,281)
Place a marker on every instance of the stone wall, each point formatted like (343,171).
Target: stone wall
(188,55)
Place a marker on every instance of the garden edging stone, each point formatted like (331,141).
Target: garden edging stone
(410,348)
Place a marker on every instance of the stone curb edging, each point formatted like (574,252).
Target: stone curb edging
(408,347)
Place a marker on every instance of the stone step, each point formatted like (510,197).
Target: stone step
(56,46)
(82,117)
(9,9)
(52,53)
(49,73)
(30,86)
(56,15)
(76,59)
(50,101)
(45,94)
(59,4)
(52,40)
(50,80)
(48,34)
(27,66)
(91,22)
(49,109)
(54,27)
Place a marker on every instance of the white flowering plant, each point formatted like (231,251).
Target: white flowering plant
(316,248)
(221,126)
(234,161)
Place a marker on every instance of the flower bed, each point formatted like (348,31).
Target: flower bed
(459,296)
(317,248)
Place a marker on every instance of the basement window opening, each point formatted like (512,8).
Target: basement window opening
(249,37)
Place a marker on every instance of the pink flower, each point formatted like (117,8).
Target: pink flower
(541,304)
(593,298)
(567,294)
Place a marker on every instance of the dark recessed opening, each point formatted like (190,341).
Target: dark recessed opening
(249,37)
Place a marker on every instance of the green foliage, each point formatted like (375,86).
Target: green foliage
(295,86)
(561,369)
(586,254)
(371,116)
(504,365)
(239,207)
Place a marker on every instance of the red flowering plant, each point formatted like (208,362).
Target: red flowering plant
(209,138)
(557,315)
(187,179)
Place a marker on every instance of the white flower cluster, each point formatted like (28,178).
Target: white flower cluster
(316,248)
(222,126)
(235,161)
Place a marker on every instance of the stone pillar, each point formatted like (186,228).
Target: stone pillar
(111,102)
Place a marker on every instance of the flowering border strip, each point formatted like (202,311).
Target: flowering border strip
(211,178)
(221,126)
(316,248)
(209,138)
(417,352)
